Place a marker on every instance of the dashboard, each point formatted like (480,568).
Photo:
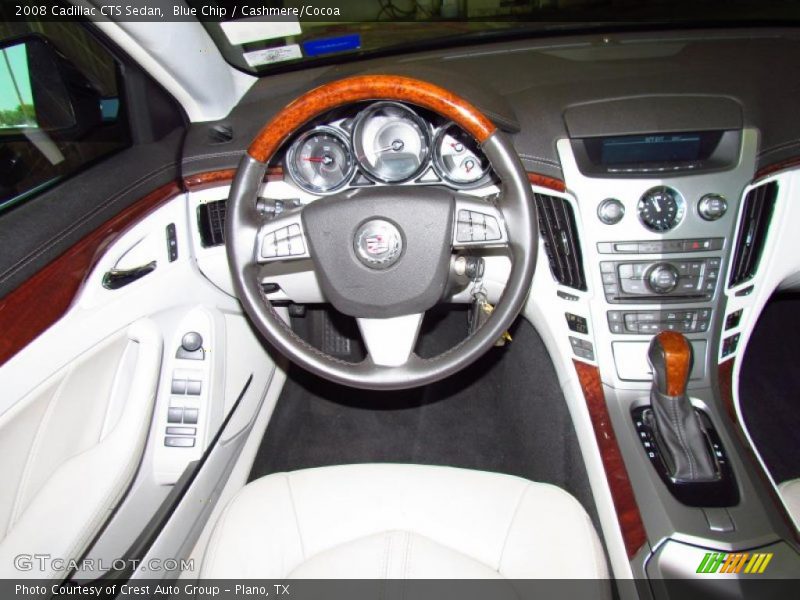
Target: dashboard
(382,143)
(651,159)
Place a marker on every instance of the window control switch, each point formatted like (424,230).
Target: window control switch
(190,416)
(175,415)
(179,442)
(193,388)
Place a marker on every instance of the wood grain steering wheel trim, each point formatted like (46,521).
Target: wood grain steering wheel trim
(367,87)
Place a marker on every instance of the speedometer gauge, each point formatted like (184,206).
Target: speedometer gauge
(320,160)
(391,142)
(457,157)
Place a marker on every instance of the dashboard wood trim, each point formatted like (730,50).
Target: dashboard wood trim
(210,179)
(367,87)
(547,182)
(44,298)
(782,165)
(630,520)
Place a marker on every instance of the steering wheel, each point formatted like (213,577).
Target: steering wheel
(381,254)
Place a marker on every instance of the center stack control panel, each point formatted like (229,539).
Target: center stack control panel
(656,246)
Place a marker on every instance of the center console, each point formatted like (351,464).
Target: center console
(658,218)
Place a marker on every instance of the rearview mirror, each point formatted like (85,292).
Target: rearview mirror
(41,90)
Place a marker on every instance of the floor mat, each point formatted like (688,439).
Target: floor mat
(506,414)
(769,387)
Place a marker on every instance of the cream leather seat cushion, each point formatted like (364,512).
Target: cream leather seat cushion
(790,493)
(402,521)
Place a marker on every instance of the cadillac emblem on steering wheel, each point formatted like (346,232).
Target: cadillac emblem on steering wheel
(378,244)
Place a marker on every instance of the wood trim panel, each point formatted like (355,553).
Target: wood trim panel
(630,520)
(367,87)
(725,382)
(209,179)
(547,182)
(677,360)
(44,298)
(775,167)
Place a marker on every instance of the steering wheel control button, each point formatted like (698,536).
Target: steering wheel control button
(378,244)
(472,226)
(610,211)
(284,242)
(712,207)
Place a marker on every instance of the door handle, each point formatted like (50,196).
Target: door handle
(117,278)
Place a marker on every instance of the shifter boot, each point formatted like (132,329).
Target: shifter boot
(679,434)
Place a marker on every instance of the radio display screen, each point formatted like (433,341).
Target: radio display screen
(661,148)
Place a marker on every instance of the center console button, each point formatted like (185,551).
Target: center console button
(633,286)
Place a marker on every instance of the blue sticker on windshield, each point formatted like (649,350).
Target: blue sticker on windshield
(331,45)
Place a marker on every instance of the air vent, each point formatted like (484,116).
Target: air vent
(560,234)
(211,218)
(759,205)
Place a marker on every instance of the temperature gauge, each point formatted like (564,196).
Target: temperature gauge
(320,160)
(457,157)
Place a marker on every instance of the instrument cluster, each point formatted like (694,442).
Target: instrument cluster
(385,143)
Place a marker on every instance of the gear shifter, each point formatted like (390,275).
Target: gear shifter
(679,433)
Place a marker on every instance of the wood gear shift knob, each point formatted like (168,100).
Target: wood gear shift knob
(670,355)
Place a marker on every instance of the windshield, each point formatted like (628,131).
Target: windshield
(275,35)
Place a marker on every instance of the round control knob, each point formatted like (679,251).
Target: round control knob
(662,278)
(192,341)
(712,206)
(611,211)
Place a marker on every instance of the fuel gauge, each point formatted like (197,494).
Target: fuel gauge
(458,158)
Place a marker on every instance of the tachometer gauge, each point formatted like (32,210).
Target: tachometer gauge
(320,160)
(457,157)
(391,142)
(661,208)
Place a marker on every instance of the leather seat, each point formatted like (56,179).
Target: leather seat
(402,521)
(790,492)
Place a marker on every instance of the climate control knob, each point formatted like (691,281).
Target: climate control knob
(662,278)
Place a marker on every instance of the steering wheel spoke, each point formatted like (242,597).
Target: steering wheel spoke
(478,223)
(282,238)
(391,341)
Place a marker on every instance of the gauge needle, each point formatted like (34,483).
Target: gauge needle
(319,159)
(657,205)
(396,145)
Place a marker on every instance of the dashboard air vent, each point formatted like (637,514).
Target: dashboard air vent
(560,234)
(211,218)
(759,205)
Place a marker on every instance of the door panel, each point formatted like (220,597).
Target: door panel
(75,442)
